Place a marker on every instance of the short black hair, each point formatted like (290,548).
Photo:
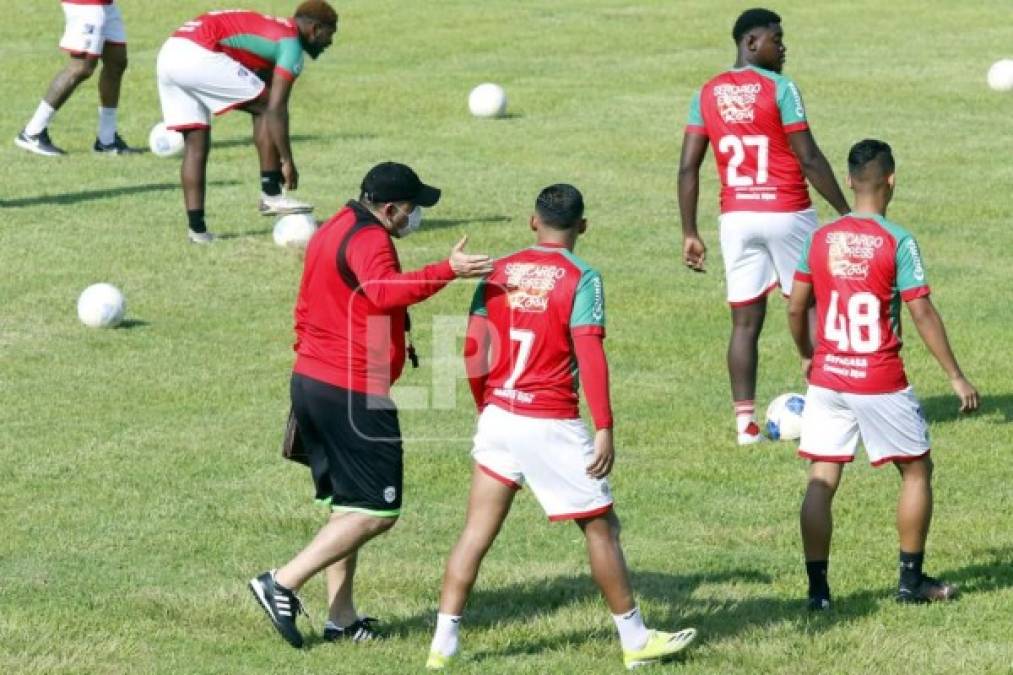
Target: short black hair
(753,18)
(560,206)
(867,152)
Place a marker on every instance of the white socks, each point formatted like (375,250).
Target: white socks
(632,631)
(106,125)
(445,638)
(40,120)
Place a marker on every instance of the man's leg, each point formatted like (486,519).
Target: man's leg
(488,505)
(272,200)
(743,357)
(34,137)
(196,147)
(340,578)
(914,514)
(817,526)
(114,64)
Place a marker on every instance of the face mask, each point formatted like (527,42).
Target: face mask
(414,221)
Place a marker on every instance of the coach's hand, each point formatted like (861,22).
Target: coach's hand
(694,253)
(604,454)
(290,174)
(968,395)
(466,265)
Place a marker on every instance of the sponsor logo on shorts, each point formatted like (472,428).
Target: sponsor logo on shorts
(736,103)
(389,494)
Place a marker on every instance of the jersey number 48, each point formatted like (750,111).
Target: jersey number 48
(856,330)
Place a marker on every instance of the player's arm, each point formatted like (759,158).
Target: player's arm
(798,316)
(933,333)
(694,149)
(276,118)
(477,341)
(589,348)
(817,169)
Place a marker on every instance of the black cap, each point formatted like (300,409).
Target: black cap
(393,182)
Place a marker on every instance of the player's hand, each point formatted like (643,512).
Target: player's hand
(466,265)
(967,394)
(694,253)
(290,174)
(604,454)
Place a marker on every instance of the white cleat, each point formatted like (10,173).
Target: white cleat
(282,204)
(751,435)
(200,237)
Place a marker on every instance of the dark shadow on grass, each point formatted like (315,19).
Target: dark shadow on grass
(130,324)
(245,233)
(294,138)
(946,408)
(440,223)
(995,574)
(66,198)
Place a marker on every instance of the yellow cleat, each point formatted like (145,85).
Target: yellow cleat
(660,646)
(438,661)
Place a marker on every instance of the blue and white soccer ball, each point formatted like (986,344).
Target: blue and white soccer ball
(165,142)
(784,417)
(101,306)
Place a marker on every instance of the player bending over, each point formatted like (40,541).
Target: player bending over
(859,268)
(754,118)
(230,59)
(541,311)
(93,30)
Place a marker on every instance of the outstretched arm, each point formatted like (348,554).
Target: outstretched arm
(817,169)
(933,333)
(694,149)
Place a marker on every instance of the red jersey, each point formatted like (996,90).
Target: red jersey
(861,267)
(747,113)
(258,41)
(352,306)
(536,302)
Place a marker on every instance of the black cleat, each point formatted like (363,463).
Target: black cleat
(819,604)
(927,590)
(280,604)
(117,147)
(39,144)
(362,630)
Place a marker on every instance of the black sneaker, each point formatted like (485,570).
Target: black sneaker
(39,144)
(363,630)
(280,604)
(117,147)
(927,590)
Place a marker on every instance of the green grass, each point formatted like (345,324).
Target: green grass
(141,479)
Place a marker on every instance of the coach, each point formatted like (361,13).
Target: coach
(350,322)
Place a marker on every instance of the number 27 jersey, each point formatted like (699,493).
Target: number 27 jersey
(861,268)
(747,113)
(535,301)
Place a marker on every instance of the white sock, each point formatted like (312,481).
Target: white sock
(445,638)
(106,125)
(632,631)
(41,119)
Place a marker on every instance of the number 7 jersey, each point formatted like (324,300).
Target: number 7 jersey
(534,301)
(861,268)
(747,113)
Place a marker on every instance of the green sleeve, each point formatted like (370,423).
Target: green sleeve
(290,56)
(589,303)
(803,261)
(478,301)
(695,117)
(789,102)
(910,270)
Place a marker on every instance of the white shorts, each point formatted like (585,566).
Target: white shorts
(890,426)
(550,455)
(194,83)
(762,250)
(89,27)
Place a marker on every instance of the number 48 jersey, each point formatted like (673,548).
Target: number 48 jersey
(535,301)
(747,113)
(861,267)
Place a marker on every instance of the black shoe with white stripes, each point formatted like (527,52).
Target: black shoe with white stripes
(39,143)
(280,604)
(362,630)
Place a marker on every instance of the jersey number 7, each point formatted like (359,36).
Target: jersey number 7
(526,339)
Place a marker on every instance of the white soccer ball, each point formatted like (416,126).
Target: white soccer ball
(165,142)
(487,100)
(784,417)
(101,306)
(294,230)
(1000,75)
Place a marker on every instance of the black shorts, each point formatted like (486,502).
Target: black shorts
(353,441)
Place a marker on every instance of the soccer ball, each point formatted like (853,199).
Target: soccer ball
(1000,75)
(165,142)
(784,417)
(294,230)
(487,100)
(101,306)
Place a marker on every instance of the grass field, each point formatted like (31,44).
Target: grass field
(141,480)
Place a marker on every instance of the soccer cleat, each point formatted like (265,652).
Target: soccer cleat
(438,661)
(750,435)
(362,630)
(199,237)
(117,147)
(927,590)
(819,604)
(39,144)
(660,646)
(282,204)
(280,604)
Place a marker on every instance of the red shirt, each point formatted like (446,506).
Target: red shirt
(352,336)
(257,41)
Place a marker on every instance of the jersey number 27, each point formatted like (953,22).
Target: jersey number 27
(737,147)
